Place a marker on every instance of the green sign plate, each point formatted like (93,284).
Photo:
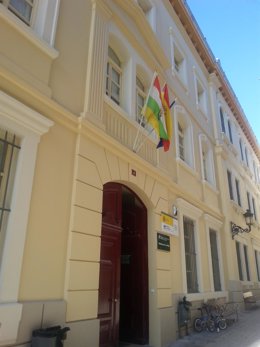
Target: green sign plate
(163,242)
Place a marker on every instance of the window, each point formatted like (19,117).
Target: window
(215,260)
(208,173)
(238,192)
(230,131)
(148,10)
(257,257)
(21,8)
(140,101)
(246,155)
(222,120)
(246,263)
(190,256)
(181,142)
(9,149)
(114,76)
(254,209)
(40,15)
(18,123)
(248,201)
(200,96)
(184,135)
(229,176)
(239,262)
(241,150)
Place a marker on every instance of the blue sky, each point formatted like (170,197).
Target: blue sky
(232,30)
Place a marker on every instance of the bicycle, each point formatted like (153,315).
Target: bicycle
(205,321)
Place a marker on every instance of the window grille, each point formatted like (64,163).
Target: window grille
(239,263)
(230,132)
(246,263)
(257,264)
(23,9)
(190,256)
(9,148)
(215,260)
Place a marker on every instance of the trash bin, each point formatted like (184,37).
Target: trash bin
(49,337)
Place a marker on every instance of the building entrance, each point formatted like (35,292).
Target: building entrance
(123,282)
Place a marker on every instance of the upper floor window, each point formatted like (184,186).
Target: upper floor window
(181,142)
(254,208)
(148,10)
(140,101)
(246,155)
(200,96)
(208,173)
(230,187)
(238,191)
(178,61)
(230,132)
(114,76)
(21,8)
(257,263)
(222,120)
(184,136)
(239,261)
(241,150)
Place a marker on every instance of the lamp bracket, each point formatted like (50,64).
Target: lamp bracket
(235,229)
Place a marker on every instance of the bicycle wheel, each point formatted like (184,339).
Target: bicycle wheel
(222,324)
(211,325)
(198,325)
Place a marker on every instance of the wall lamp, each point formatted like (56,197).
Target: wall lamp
(235,229)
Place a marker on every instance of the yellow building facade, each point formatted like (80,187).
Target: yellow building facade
(100,230)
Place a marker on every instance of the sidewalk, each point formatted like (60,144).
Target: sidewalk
(243,333)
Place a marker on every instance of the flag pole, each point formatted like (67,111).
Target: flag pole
(143,111)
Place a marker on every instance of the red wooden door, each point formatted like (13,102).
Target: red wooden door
(109,279)
(134,271)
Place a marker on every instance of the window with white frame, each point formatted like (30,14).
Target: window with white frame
(248,195)
(230,185)
(247,273)
(178,60)
(241,150)
(243,261)
(114,76)
(201,100)
(148,10)
(215,260)
(237,184)
(9,150)
(230,131)
(39,15)
(239,261)
(206,153)
(190,255)
(23,9)
(255,174)
(246,155)
(257,264)
(20,135)
(181,146)
(140,101)
(184,136)
(222,120)
(254,208)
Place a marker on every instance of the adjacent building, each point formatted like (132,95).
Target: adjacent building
(100,230)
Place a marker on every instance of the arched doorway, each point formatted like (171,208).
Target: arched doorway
(123,281)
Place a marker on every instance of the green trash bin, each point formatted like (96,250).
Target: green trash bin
(49,337)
